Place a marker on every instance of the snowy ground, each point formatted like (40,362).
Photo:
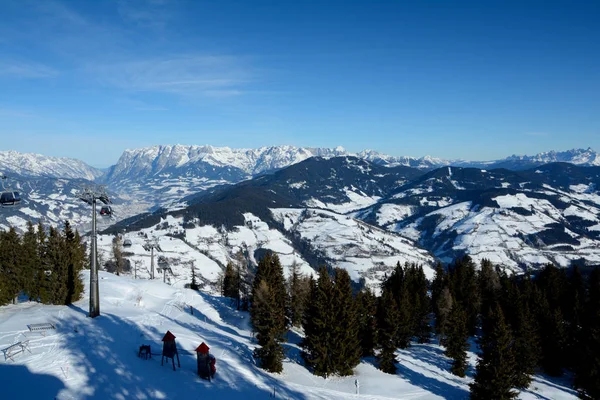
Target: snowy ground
(97,358)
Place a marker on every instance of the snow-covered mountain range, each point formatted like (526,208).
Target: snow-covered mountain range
(312,206)
(38,165)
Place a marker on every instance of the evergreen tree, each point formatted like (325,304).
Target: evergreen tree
(367,321)
(118,259)
(29,251)
(230,282)
(465,290)
(388,318)
(194,284)
(553,340)
(440,281)
(264,307)
(443,307)
(299,290)
(345,330)
(587,371)
(10,262)
(267,312)
(55,261)
(495,372)
(489,286)
(43,273)
(76,258)
(456,341)
(405,321)
(396,285)
(318,320)
(526,347)
(574,310)
(420,306)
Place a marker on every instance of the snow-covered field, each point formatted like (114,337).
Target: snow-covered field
(97,358)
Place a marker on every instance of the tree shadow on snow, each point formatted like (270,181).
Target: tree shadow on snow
(104,364)
(235,360)
(434,356)
(432,385)
(228,311)
(20,383)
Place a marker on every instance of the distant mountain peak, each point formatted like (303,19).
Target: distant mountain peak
(31,164)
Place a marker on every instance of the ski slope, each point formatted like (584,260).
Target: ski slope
(97,358)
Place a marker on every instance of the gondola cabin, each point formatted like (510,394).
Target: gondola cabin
(106,211)
(10,198)
(127,243)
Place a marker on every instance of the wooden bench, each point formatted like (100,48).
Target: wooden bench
(41,328)
(15,349)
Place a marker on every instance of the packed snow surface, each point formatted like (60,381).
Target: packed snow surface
(97,358)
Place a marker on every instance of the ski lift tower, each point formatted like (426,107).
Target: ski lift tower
(150,245)
(91,195)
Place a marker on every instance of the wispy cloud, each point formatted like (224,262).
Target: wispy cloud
(155,14)
(20,69)
(536,134)
(211,76)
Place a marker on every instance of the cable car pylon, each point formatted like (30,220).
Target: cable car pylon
(91,195)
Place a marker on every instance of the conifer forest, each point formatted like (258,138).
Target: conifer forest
(547,321)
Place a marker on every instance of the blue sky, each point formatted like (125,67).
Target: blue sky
(453,79)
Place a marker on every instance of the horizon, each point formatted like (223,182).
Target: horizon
(340,148)
(466,80)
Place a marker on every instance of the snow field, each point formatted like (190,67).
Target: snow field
(97,358)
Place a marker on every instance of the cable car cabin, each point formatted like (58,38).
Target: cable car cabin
(127,243)
(10,198)
(106,211)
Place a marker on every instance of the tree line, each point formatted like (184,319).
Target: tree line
(548,321)
(42,264)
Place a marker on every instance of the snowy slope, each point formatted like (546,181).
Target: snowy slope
(522,231)
(97,358)
(54,201)
(37,165)
(366,252)
(208,248)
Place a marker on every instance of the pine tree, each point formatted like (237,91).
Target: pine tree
(11,260)
(42,273)
(456,342)
(574,310)
(268,312)
(405,321)
(440,281)
(587,371)
(230,282)
(55,261)
(495,371)
(318,320)
(367,321)
(194,284)
(387,320)
(29,251)
(396,285)
(465,290)
(553,340)
(264,304)
(420,306)
(526,347)
(299,290)
(443,306)
(75,261)
(118,259)
(344,332)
